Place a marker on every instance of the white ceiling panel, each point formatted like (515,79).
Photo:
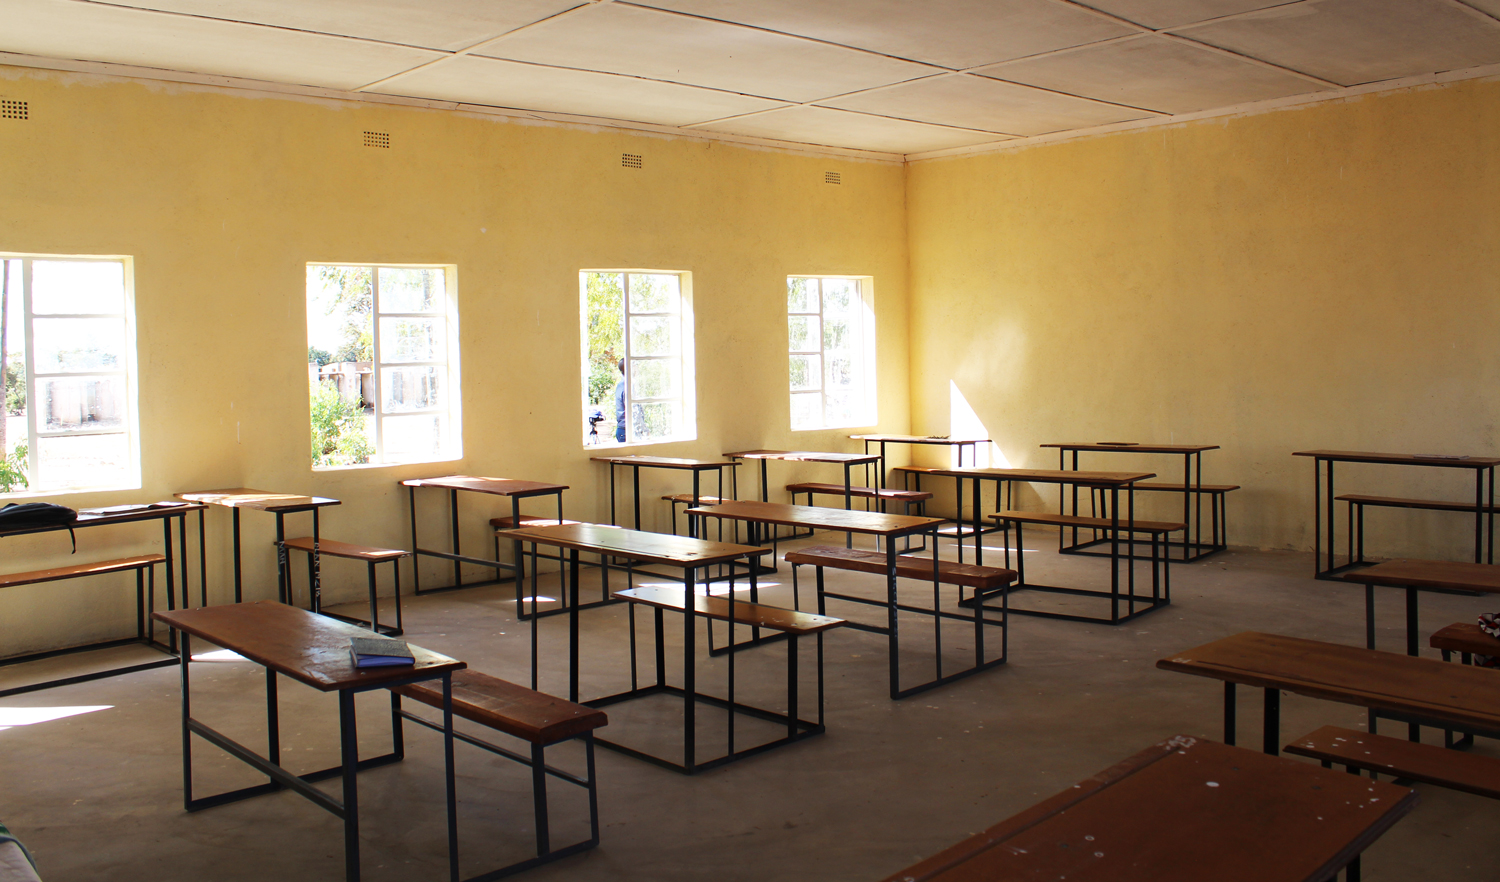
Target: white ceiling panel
(953,33)
(487,81)
(1361,41)
(93,32)
(436,24)
(675,48)
(837,128)
(981,103)
(1160,14)
(1155,73)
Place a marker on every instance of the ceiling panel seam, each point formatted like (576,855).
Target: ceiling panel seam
(1259,62)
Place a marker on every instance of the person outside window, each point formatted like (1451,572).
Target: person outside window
(620,404)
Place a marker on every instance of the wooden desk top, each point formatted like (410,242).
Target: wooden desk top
(844,520)
(1131,447)
(667,462)
(805,456)
(1183,810)
(1039,476)
(102,520)
(241,497)
(309,648)
(1425,687)
(919,439)
(1452,462)
(638,545)
(1430,574)
(493,486)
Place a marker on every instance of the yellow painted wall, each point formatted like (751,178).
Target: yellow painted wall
(1323,277)
(223,197)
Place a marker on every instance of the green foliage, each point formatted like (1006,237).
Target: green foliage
(604,294)
(356,299)
(13,470)
(318,356)
(358,346)
(15,386)
(338,428)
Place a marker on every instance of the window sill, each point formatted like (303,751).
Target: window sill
(385,465)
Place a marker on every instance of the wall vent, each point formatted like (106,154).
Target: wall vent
(378,139)
(630,160)
(13,109)
(832,178)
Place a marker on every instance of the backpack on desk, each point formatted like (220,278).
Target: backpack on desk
(24,515)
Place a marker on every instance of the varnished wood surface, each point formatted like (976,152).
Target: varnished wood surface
(1405,502)
(335,548)
(745,613)
(920,439)
(510,708)
(77,570)
(307,647)
(1400,758)
(1464,637)
(907,566)
(1134,448)
(1385,681)
(688,498)
(1168,486)
(1470,462)
(1403,572)
(805,456)
(861,492)
(1184,810)
(492,486)
(1061,520)
(504,523)
(817,517)
(637,545)
(1039,476)
(667,462)
(260,500)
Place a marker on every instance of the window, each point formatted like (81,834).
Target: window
(68,353)
(638,357)
(382,364)
(832,342)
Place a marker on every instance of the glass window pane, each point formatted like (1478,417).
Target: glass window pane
(409,289)
(411,339)
(653,292)
(807,372)
(840,295)
(414,437)
(840,372)
(807,410)
(653,335)
(654,378)
(840,408)
(656,419)
(803,332)
(340,304)
(77,286)
(81,404)
(838,334)
(64,345)
(801,295)
(415,388)
(82,461)
(604,320)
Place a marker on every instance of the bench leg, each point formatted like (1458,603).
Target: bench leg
(539,797)
(1229,711)
(396,579)
(1271,741)
(791,686)
(1369,617)
(374,608)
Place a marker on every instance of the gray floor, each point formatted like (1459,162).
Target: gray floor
(97,795)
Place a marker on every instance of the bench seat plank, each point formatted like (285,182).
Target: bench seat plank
(334,548)
(745,613)
(506,522)
(1061,520)
(1167,486)
(862,492)
(1400,502)
(907,566)
(1448,574)
(1464,637)
(688,499)
(90,569)
(510,708)
(1428,763)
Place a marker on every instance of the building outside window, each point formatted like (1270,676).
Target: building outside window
(67,348)
(382,353)
(638,383)
(831,330)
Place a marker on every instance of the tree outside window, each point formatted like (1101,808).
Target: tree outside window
(637,340)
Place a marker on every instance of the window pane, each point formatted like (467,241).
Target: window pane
(650,378)
(81,404)
(604,325)
(77,286)
(840,372)
(656,419)
(409,339)
(838,334)
(414,388)
(840,295)
(801,295)
(653,335)
(803,332)
(413,437)
(653,293)
(807,410)
(406,289)
(82,461)
(807,373)
(340,301)
(841,408)
(69,345)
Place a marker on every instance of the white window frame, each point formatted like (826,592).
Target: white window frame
(131,477)
(863,349)
(687,429)
(453,391)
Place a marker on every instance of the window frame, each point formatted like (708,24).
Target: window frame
(864,348)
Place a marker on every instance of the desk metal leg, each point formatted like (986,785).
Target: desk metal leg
(1271,723)
(411,508)
(893,640)
(316,588)
(273,722)
(689,670)
(1229,709)
(572,625)
(458,573)
(202,558)
(187,732)
(451,784)
(1411,621)
(238,581)
(349,752)
(283,578)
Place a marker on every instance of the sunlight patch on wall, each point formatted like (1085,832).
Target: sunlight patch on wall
(963,422)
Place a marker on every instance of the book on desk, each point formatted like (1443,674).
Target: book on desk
(379,652)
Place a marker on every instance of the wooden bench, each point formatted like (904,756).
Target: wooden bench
(538,719)
(983,580)
(1357,503)
(1466,639)
(907,498)
(1411,760)
(371,556)
(1218,505)
(145,604)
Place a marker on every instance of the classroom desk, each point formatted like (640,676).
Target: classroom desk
(930,440)
(847,460)
(281,505)
(109,516)
(1484,501)
(1192,482)
(688,555)
(1415,575)
(1419,691)
(508,487)
(1184,810)
(312,650)
(636,463)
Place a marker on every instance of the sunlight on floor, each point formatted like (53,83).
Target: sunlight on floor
(28,716)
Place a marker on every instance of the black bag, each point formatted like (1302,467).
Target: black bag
(25,515)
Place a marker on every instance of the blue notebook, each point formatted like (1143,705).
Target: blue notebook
(379,652)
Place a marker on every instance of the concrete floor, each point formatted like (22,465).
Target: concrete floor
(97,795)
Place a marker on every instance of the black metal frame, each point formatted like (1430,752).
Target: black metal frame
(1192,545)
(1161,577)
(373,622)
(765,495)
